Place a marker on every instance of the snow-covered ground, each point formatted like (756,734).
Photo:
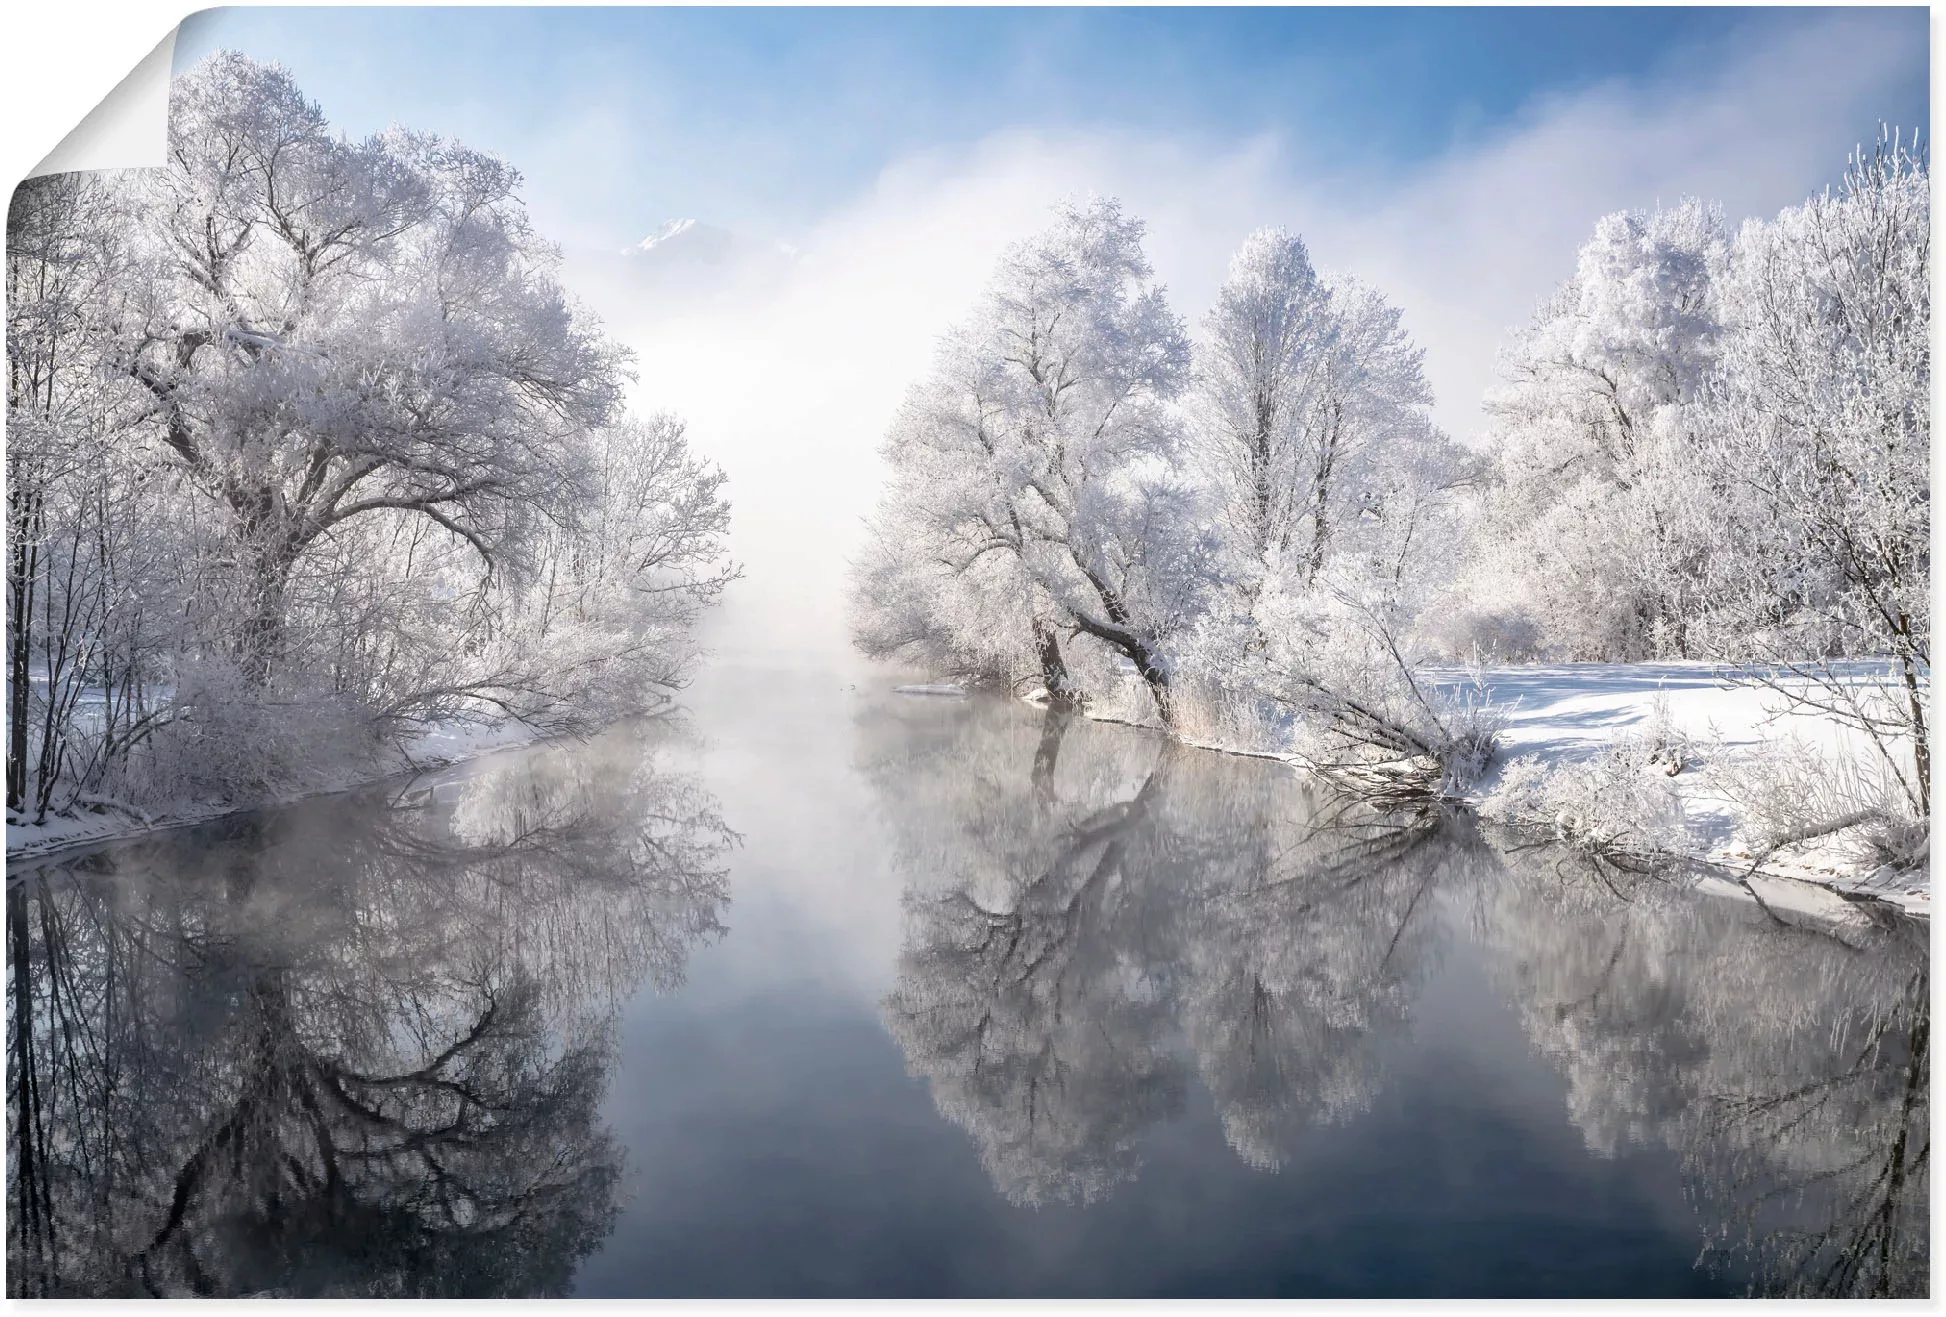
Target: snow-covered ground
(1563,713)
(1574,710)
(100,820)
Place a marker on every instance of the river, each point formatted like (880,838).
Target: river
(827,990)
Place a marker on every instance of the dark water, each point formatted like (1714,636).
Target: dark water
(851,993)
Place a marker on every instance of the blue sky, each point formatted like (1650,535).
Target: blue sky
(762,119)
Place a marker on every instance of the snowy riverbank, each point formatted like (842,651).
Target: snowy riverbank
(99,820)
(1562,717)
(1565,714)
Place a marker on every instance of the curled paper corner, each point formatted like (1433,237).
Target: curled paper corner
(129,129)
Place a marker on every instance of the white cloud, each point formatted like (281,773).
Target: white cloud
(790,380)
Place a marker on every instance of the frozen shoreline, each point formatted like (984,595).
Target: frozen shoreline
(442,747)
(1557,715)
(1562,714)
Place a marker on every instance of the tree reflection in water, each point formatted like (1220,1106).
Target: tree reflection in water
(1083,897)
(1095,914)
(355,1047)
(1784,1060)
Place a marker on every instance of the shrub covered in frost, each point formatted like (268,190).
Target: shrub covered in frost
(1791,793)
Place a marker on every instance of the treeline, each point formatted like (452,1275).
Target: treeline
(308,452)
(1706,445)
(1246,522)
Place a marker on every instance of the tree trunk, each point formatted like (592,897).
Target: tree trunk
(1266,417)
(1156,677)
(1916,711)
(1054,669)
(1321,500)
(263,630)
(1123,637)
(1158,683)
(22,569)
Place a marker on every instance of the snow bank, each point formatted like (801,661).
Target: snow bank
(1563,716)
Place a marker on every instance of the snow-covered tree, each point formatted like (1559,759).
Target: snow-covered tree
(88,577)
(1819,429)
(338,329)
(1713,447)
(595,622)
(931,586)
(1338,502)
(1260,370)
(1592,533)
(1315,405)
(1033,496)
(309,448)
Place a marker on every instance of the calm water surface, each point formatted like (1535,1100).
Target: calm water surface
(838,992)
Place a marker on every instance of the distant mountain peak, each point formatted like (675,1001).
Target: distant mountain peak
(675,228)
(689,241)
